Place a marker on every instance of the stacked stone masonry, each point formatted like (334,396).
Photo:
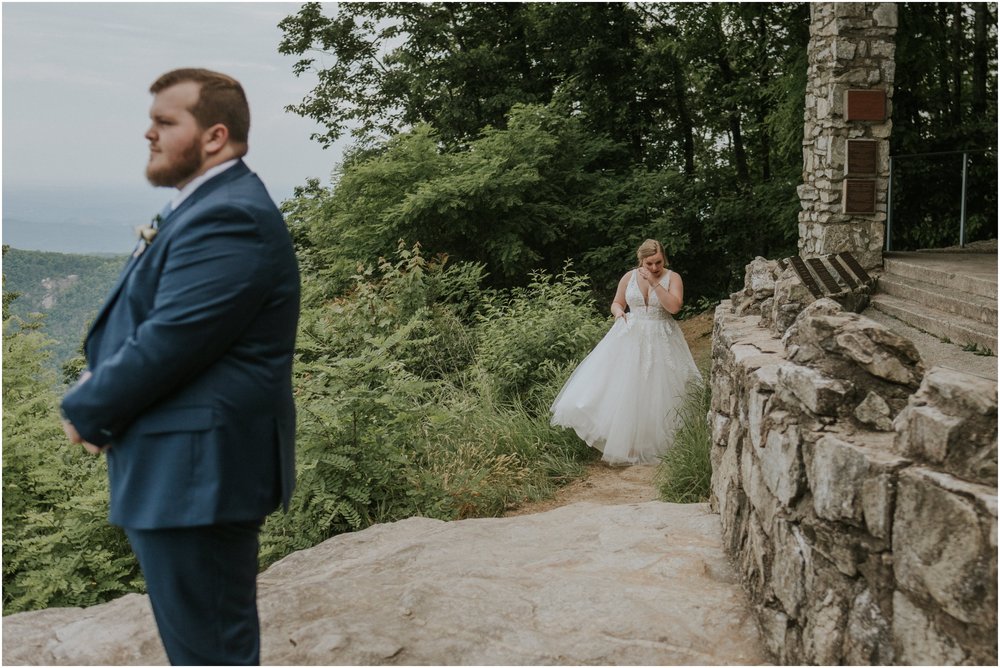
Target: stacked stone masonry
(857,489)
(851,46)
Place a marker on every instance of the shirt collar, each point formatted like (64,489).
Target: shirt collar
(194,184)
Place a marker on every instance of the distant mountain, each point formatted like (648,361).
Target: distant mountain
(67,289)
(82,220)
(68,237)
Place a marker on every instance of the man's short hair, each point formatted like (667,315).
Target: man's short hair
(220,100)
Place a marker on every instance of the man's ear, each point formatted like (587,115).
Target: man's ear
(215,138)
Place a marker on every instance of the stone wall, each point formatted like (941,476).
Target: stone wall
(851,46)
(857,490)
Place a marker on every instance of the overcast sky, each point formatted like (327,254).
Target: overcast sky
(76,78)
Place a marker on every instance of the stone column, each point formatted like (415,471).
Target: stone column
(851,48)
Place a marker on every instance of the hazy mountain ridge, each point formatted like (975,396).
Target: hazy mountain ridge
(67,289)
(78,220)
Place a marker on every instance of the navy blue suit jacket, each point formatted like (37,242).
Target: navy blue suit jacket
(191,362)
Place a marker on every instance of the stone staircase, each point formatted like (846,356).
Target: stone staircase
(952,296)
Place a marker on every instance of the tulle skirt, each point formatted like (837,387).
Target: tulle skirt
(625,397)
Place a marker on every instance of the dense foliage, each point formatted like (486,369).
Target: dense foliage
(945,100)
(58,548)
(521,135)
(410,404)
(522,198)
(67,289)
(419,392)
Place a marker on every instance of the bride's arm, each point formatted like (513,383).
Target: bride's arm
(672,296)
(619,305)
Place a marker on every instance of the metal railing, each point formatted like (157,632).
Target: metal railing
(965,173)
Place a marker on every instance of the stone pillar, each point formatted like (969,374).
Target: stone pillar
(851,53)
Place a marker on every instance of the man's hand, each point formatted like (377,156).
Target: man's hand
(84,377)
(72,434)
(74,437)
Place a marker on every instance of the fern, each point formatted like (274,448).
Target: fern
(418,393)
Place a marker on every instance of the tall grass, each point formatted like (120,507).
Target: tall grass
(685,471)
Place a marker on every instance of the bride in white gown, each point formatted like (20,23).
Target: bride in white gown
(624,397)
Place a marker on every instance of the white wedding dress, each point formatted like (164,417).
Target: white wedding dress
(624,397)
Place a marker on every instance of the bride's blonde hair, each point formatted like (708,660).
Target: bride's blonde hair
(649,248)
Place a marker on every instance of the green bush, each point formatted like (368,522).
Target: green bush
(525,334)
(58,548)
(404,409)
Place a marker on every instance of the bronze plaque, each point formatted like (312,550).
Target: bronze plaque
(859,195)
(865,105)
(862,157)
(842,271)
(824,275)
(856,267)
(806,277)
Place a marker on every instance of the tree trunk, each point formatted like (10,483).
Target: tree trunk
(943,80)
(683,115)
(735,129)
(956,63)
(979,60)
(763,81)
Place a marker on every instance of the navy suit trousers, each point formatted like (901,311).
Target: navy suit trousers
(202,584)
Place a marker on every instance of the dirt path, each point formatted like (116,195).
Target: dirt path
(614,485)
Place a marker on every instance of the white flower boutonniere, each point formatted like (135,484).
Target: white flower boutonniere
(146,234)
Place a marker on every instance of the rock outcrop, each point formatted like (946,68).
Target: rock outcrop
(583,584)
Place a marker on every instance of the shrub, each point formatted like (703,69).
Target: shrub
(58,548)
(685,471)
(526,334)
(398,414)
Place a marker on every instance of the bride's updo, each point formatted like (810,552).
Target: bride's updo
(649,248)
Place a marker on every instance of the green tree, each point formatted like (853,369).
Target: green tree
(58,548)
(646,92)
(944,99)
(526,197)
(461,67)
(67,288)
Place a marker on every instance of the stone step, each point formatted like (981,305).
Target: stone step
(977,273)
(966,304)
(934,351)
(952,327)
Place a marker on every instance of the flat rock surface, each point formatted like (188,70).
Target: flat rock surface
(640,583)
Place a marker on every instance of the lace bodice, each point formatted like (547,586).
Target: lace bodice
(637,306)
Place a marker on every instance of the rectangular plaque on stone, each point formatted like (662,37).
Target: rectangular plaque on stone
(859,195)
(862,157)
(807,279)
(865,105)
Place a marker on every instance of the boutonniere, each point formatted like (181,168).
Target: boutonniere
(146,234)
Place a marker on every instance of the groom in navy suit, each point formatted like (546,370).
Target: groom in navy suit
(188,383)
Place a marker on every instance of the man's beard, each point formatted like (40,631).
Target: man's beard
(186,165)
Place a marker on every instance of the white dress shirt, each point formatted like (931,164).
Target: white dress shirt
(193,185)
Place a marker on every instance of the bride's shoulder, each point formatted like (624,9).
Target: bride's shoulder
(625,278)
